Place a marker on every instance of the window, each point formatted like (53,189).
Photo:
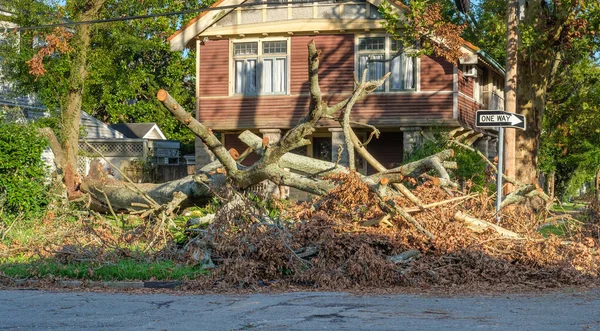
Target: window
(246,58)
(383,54)
(260,67)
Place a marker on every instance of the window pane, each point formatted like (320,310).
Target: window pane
(250,81)
(267,76)
(396,76)
(239,77)
(279,74)
(361,66)
(275,47)
(371,44)
(376,69)
(274,75)
(245,48)
(395,45)
(409,72)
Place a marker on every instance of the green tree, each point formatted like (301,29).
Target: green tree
(554,36)
(571,137)
(111,70)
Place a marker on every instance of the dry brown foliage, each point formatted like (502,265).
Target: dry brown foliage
(55,42)
(249,251)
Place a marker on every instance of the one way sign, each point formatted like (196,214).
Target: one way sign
(499,118)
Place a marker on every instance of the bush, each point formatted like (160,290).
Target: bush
(22,171)
(471,168)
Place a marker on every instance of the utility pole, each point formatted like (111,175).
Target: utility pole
(510,87)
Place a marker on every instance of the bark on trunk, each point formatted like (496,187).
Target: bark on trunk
(537,65)
(122,196)
(71,115)
(551,183)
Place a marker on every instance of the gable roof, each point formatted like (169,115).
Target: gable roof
(209,18)
(206,19)
(138,130)
(96,129)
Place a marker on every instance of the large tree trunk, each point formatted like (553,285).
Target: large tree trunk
(538,64)
(531,101)
(71,112)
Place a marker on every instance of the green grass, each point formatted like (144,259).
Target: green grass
(558,230)
(121,270)
(568,206)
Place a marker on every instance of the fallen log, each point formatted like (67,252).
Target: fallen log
(479,226)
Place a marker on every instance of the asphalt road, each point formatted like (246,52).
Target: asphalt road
(30,309)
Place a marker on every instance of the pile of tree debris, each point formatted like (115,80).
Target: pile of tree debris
(346,240)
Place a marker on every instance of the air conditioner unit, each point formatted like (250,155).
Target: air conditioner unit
(470,71)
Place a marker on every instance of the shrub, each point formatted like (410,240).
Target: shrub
(22,171)
(471,168)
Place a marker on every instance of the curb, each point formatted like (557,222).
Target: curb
(105,284)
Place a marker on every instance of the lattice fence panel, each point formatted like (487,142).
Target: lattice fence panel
(115,148)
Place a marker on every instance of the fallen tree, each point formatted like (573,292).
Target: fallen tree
(275,158)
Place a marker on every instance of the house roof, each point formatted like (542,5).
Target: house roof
(96,129)
(194,27)
(137,130)
(190,23)
(208,18)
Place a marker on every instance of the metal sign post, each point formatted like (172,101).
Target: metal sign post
(500,172)
(499,119)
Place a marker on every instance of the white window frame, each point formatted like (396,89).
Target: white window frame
(259,65)
(387,86)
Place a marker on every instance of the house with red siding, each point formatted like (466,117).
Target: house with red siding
(252,74)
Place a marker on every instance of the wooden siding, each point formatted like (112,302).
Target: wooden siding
(282,112)
(336,70)
(388,150)
(465,84)
(221,112)
(214,68)
(436,74)
(466,111)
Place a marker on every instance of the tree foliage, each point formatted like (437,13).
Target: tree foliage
(22,171)
(128,61)
(554,37)
(571,136)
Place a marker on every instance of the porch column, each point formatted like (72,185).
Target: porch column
(337,140)
(274,135)
(411,139)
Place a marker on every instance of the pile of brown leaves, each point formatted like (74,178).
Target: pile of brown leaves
(250,250)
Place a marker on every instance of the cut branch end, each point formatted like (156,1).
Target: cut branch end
(162,95)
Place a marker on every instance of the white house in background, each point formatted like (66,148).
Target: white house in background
(128,146)
(140,130)
(8,96)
